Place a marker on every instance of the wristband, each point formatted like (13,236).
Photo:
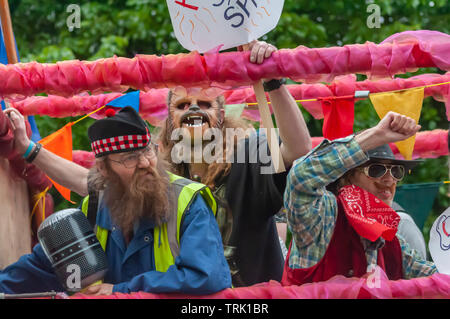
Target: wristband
(34,153)
(273,84)
(27,152)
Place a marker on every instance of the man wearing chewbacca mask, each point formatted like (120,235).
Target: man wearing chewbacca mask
(248,197)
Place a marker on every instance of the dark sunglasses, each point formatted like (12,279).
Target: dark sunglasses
(378,170)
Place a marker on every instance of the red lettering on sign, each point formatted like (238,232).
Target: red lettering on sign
(186,5)
(445,230)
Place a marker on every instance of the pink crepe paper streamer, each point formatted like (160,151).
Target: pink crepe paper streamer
(83,158)
(432,43)
(153,105)
(338,287)
(429,144)
(399,53)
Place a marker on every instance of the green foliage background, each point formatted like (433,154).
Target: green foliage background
(127,27)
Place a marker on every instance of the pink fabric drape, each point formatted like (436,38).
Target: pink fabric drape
(397,54)
(153,105)
(338,287)
(429,144)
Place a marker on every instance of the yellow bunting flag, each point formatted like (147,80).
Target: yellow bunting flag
(406,102)
(234,110)
(60,143)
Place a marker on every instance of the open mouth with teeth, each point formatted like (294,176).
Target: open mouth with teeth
(195,120)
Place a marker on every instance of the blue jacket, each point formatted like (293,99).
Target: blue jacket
(200,268)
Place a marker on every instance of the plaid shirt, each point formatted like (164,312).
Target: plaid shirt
(312,210)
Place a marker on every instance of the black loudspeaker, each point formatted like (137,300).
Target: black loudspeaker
(73,249)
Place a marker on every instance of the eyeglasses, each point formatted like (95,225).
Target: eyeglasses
(378,170)
(132,159)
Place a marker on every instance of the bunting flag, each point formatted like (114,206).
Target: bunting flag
(60,143)
(406,102)
(339,115)
(129,99)
(234,110)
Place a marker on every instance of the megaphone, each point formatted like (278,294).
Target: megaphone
(70,244)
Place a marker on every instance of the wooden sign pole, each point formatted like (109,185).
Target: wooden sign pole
(266,122)
(8,34)
(272,135)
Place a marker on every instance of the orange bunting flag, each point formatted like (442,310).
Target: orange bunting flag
(60,143)
(407,102)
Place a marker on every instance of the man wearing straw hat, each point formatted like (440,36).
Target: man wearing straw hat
(338,200)
(158,230)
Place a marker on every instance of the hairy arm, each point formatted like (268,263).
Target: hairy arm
(294,133)
(62,171)
(393,127)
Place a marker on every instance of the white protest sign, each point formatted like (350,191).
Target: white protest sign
(203,25)
(439,243)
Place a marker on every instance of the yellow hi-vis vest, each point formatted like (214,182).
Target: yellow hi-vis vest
(168,248)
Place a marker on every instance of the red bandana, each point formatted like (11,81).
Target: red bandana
(368,215)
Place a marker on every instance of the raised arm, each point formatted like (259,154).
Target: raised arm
(294,133)
(393,127)
(62,171)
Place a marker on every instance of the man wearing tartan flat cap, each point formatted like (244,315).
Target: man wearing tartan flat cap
(158,229)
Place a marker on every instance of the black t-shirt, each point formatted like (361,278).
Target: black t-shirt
(254,197)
